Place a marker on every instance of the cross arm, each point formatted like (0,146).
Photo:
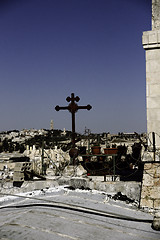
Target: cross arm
(88,107)
(57,108)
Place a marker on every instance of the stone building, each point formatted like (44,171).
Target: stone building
(150,195)
(151,44)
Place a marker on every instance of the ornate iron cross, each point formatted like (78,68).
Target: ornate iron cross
(73,108)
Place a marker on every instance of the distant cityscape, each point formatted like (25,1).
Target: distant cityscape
(15,140)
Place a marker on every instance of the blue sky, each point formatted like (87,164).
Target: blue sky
(51,48)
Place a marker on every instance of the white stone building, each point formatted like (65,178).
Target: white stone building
(151,44)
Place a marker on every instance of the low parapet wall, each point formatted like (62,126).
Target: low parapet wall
(130,189)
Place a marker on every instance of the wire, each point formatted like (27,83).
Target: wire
(75,208)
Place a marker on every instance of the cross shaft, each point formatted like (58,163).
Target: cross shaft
(73,108)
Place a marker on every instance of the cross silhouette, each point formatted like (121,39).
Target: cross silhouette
(73,108)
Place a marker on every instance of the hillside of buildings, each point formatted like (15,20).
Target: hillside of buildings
(15,140)
(51,148)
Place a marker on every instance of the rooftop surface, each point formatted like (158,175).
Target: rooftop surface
(60,213)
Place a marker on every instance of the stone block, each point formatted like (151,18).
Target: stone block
(152,77)
(157,203)
(156,222)
(80,171)
(145,38)
(148,167)
(147,157)
(153,173)
(152,66)
(157,182)
(77,182)
(147,180)
(155,192)
(153,113)
(153,102)
(152,167)
(69,171)
(38,185)
(150,39)
(154,90)
(21,166)
(157,175)
(147,203)
(152,54)
(18,176)
(153,37)
(150,192)
(146,193)
(132,190)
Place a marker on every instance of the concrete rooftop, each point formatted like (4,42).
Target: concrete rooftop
(59,213)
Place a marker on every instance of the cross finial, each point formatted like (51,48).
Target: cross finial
(73,108)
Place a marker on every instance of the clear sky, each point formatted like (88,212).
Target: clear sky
(51,48)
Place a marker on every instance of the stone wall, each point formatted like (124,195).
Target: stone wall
(150,195)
